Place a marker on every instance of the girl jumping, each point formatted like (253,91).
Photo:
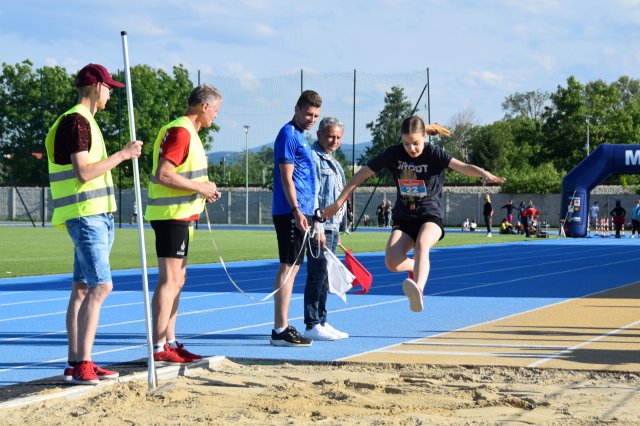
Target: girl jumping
(418,169)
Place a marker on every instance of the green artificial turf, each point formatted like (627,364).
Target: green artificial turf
(40,251)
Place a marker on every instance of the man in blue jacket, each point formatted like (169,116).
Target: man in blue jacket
(330,181)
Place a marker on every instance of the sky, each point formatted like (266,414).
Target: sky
(477,51)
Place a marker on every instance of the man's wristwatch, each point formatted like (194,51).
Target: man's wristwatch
(293,209)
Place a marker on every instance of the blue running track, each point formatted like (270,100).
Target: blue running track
(468,285)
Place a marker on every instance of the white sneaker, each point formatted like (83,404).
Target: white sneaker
(336,333)
(489,235)
(414,294)
(318,332)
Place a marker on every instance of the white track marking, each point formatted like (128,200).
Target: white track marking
(389,285)
(126,348)
(454,353)
(339,310)
(487,345)
(583,344)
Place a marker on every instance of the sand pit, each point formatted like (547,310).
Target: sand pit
(351,394)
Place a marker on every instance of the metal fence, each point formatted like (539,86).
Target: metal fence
(34,204)
(266,104)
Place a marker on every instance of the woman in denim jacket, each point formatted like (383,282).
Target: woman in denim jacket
(330,181)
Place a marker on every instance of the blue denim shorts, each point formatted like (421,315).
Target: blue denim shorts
(92,238)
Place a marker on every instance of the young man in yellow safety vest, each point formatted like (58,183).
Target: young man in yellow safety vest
(83,200)
(178,191)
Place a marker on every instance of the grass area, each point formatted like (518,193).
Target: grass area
(41,251)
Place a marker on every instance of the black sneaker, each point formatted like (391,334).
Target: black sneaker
(289,337)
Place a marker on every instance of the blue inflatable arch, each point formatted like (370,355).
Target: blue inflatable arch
(604,161)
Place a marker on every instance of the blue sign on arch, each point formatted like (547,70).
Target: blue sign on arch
(604,161)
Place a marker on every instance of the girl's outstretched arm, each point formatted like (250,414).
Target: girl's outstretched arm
(363,174)
(471,170)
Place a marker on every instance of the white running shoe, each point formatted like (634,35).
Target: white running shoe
(489,235)
(318,332)
(414,294)
(337,333)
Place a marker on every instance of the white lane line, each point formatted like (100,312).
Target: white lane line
(244,327)
(486,345)
(121,305)
(340,310)
(457,290)
(224,281)
(26,302)
(580,345)
(453,353)
(487,260)
(115,324)
(198,296)
(523,278)
(113,293)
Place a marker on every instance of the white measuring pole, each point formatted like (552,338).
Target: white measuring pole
(152,376)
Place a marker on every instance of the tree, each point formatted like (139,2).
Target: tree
(158,98)
(26,98)
(611,112)
(528,104)
(462,130)
(490,145)
(564,126)
(543,179)
(32,99)
(385,131)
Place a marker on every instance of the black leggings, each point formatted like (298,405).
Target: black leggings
(487,221)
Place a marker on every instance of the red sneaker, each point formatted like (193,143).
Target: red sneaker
(68,374)
(84,374)
(104,374)
(170,357)
(186,354)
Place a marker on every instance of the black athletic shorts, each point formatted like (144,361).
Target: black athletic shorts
(412,227)
(290,238)
(172,237)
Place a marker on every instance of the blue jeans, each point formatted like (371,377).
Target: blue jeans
(317,286)
(92,238)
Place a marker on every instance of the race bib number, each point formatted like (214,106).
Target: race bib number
(412,188)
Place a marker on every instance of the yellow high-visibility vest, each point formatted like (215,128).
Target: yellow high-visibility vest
(167,203)
(71,198)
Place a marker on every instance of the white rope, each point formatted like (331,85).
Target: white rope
(311,237)
(286,278)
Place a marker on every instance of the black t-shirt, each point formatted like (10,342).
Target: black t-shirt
(486,211)
(419,181)
(73,135)
(509,207)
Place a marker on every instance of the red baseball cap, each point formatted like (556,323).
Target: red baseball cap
(94,73)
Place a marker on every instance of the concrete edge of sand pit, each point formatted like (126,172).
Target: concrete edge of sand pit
(164,373)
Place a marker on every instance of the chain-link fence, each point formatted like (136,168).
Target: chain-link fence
(254,110)
(20,204)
